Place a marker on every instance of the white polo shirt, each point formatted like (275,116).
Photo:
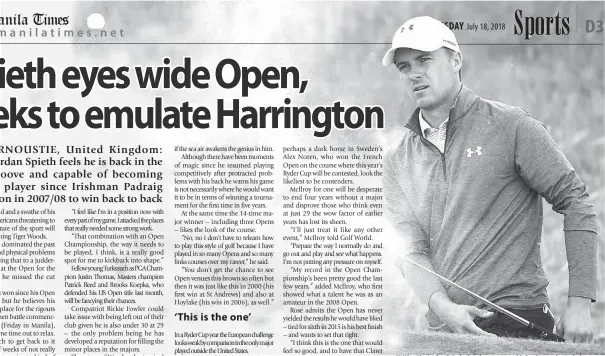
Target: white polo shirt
(435,136)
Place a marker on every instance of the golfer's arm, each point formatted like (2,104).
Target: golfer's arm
(544,168)
(428,288)
(409,236)
(581,248)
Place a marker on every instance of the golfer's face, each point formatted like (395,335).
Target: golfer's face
(427,76)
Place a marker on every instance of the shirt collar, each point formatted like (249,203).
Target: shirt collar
(464,102)
(425,125)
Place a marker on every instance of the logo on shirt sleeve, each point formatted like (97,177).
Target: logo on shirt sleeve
(469,152)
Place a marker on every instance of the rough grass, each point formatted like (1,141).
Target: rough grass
(427,342)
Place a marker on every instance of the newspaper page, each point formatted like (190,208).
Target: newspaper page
(183,178)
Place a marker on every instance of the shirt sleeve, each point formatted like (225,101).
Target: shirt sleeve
(414,241)
(545,169)
(400,215)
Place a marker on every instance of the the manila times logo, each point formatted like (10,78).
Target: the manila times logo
(38,19)
(43,19)
(558,25)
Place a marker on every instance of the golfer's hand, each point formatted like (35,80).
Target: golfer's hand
(575,324)
(457,316)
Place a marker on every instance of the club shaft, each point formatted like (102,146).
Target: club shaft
(474,295)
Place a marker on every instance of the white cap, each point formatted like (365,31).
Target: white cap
(421,33)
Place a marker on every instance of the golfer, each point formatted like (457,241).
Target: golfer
(464,187)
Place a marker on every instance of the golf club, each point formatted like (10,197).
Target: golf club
(544,333)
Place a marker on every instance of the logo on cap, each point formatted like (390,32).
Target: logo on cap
(409,28)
